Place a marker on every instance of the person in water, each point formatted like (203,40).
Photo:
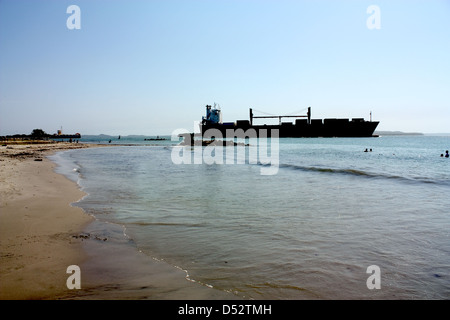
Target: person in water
(446,154)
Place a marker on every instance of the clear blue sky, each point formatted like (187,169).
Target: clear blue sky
(150,67)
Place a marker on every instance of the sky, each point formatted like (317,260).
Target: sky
(151,66)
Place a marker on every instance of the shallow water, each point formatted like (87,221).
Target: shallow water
(310,231)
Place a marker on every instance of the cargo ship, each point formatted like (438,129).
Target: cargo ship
(303,127)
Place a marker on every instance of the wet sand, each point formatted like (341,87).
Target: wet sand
(42,234)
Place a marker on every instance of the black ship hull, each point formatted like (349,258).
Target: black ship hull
(300,129)
(212,126)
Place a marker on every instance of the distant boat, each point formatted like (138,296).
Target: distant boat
(155,139)
(302,128)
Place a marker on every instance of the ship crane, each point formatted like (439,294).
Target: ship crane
(308,115)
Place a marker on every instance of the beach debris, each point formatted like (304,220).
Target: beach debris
(86,235)
(21,155)
(82,236)
(34,152)
(100,238)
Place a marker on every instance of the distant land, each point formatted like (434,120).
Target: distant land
(135,136)
(380,133)
(397,133)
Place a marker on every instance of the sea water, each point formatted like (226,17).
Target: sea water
(310,231)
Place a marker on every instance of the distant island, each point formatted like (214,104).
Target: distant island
(397,133)
(39,135)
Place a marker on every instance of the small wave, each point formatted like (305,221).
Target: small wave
(280,286)
(186,272)
(361,173)
(169,224)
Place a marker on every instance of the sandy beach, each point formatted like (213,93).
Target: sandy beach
(39,228)
(42,234)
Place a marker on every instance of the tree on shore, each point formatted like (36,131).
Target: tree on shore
(38,134)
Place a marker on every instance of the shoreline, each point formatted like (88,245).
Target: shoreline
(38,225)
(43,232)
